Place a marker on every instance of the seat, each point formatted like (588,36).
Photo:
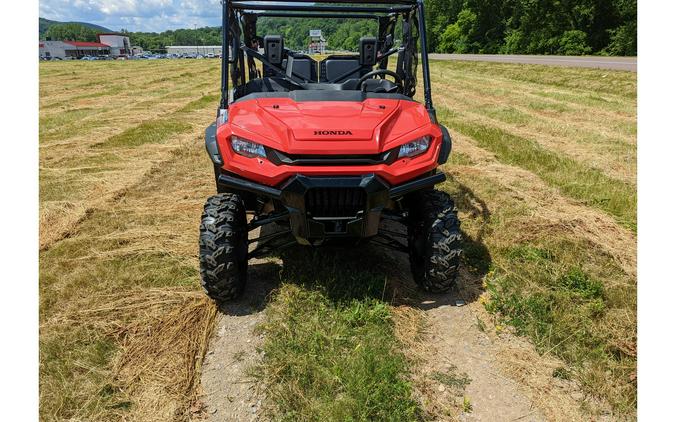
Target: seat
(304,67)
(340,68)
(262,85)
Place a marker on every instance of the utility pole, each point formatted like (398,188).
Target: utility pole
(194,26)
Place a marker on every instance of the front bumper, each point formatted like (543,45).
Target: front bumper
(325,207)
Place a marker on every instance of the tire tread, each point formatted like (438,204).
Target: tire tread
(436,268)
(223,247)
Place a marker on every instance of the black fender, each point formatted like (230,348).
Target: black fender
(212,144)
(446,146)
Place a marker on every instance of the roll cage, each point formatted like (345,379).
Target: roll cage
(240,40)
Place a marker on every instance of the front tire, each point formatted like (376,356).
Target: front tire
(223,247)
(434,241)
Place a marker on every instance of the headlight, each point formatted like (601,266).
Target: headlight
(416,147)
(247,148)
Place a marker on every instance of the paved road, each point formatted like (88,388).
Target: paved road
(612,63)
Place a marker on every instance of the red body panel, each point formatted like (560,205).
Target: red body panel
(369,127)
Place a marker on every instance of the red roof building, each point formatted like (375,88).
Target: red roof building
(72,49)
(114,45)
(86,44)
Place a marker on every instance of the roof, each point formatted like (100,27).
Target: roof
(374,6)
(194,46)
(361,2)
(86,44)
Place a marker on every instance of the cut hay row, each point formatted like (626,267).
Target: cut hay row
(575,180)
(111,301)
(82,172)
(591,134)
(123,331)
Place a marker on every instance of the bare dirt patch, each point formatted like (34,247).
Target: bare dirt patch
(462,365)
(230,393)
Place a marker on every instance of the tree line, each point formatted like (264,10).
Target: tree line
(564,27)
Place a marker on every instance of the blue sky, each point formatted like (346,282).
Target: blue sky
(135,15)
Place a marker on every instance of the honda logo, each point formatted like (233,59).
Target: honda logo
(332,132)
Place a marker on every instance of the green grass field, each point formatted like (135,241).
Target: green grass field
(543,171)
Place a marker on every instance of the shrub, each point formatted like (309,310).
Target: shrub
(574,43)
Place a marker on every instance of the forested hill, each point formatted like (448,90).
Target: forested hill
(565,27)
(45,24)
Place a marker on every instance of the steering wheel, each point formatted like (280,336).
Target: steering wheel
(398,79)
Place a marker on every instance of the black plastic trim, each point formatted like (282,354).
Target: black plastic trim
(417,184)
(308,230)
(446,146)
(279,158)
(212,144)
(325,95)
(248,186)
(226,180)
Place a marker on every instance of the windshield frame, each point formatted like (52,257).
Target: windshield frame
(410,11)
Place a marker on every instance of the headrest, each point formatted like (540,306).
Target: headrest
(274,48)
(367,51)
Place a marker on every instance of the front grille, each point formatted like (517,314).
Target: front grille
(279,158)
(335,202)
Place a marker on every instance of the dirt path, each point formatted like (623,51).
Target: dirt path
(229,391)
(454,341)
(492,395)
(509,380)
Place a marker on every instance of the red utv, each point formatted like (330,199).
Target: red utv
(326,150)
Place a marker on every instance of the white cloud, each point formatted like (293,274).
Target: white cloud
(135,15)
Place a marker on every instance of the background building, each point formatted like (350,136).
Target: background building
(119,44)
(317,43)
(194,49)
(108,44)
(72,49)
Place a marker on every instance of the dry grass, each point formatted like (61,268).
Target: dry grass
(123,326)
(595,125)
(162,337)
(91,149)
(546,259)
(553,211)
(539,241)
(162,351)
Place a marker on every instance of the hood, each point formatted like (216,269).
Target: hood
(370,126)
